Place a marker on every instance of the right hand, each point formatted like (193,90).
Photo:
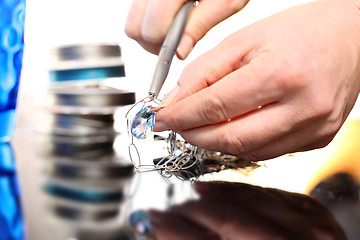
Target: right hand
(281,85)
(148,21)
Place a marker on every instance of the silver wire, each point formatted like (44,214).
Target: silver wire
(181,155)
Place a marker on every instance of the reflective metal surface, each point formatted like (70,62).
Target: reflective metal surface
(77,180)
(70,195)
(11,212)
(71,188)
(78,62)
(85,52)
(90,96)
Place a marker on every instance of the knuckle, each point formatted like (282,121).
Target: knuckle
(232,144)
(323,142)
(131,31)
(174,122)
(252,157)
(236,5)
(187,73)
(323,136)
(322,107)
(152,34)
(213,110)
(296,74)
(291,79)
(328,134)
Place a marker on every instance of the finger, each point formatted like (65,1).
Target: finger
(238,193)
(244,134)
(168,225)
(205,16)
(263,200)
(158,17)
(219,189)
(145,25)
(228,220)
(233,96)
(134,23)
(215,64)
(135,19)
(264,216)
(311,136)
(269,132)
(207,87)
(235,193)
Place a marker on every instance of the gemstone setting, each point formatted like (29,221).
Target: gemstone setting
(143,123)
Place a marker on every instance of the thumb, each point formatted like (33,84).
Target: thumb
(204,17)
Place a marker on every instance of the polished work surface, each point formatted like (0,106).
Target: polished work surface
(63,200)
(79,184)
(91,194)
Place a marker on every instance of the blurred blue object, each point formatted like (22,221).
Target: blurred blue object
(12,18)
(11,219)
(87,73)
(140,222)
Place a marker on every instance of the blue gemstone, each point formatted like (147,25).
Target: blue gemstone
(143,123)
(140,222)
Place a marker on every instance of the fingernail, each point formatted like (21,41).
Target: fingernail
(160,126)
(185,46)
(170,96)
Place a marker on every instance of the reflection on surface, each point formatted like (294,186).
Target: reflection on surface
(11,220)
(241,211)
(88,198)
(85,180)
(86,185)
(340,194)
(208,163)
(77,185)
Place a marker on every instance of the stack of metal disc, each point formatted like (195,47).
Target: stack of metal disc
(84,110)
(87,178)
(85,62)
(80,105)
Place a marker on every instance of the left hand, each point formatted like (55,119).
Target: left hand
(148,21)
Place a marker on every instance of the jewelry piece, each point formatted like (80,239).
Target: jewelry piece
(187,162)
(143,122)
(182,155)
(184,160)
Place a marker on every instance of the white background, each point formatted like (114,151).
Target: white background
(53,22)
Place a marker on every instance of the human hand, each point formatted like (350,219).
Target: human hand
(149,20)
(281,85)
(236,211)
